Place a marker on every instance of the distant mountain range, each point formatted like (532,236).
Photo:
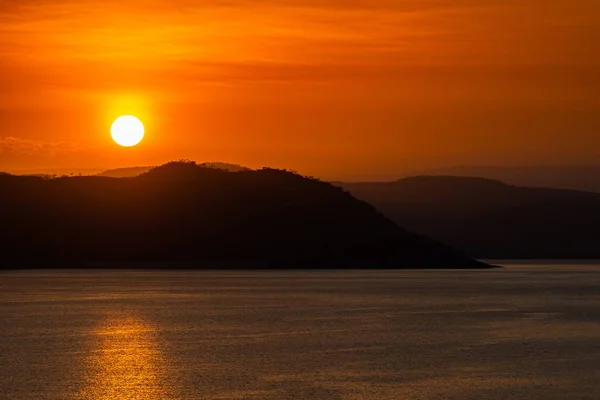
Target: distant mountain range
(136,171)
(54,172)
(125,172)
(485,218)
(491,219)
(188,216)
(586,178)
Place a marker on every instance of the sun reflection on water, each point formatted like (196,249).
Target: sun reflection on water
(126,363)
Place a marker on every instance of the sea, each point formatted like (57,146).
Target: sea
(525,331)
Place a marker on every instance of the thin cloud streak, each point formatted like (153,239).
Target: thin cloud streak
(20,146)
(114,42)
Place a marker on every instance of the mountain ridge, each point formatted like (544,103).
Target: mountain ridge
(572,177)
(130,172)
(490,219)
(189,215)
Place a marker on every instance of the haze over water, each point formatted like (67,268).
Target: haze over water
(521,333)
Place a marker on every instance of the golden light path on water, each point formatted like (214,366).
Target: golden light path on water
(125,362)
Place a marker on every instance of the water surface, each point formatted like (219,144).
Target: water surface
(523,332)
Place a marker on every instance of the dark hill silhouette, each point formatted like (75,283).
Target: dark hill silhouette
(586,178)
(491,219)
(136,171)
(185,215)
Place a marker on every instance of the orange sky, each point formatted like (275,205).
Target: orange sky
(346,89)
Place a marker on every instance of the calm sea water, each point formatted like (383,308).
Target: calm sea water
(517,333)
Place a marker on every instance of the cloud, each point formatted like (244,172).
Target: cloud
(68,44)
(18,146)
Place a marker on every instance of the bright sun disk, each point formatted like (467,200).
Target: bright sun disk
(127,131)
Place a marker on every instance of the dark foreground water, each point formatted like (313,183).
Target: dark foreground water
(517,333)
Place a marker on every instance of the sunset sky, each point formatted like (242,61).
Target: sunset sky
(336,89)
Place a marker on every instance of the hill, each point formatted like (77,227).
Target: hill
(185,215)
(586,178)
(127,172)
(136,171)
(491,219)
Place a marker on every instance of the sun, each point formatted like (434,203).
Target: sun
(127,131)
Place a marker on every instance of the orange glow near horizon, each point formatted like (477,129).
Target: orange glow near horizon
(333,90)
